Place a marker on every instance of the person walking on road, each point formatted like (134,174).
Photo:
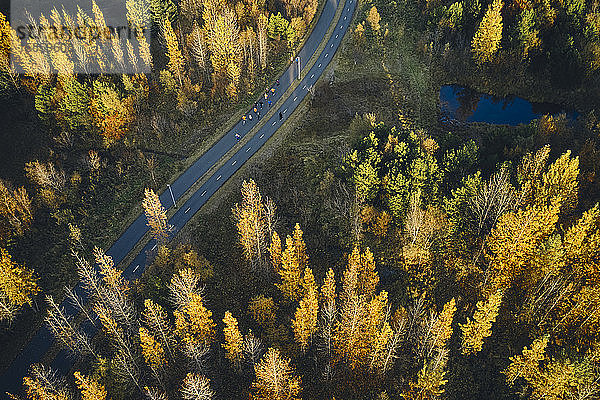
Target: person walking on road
(272,91)
(277,82)
(269,101)
(261,104)
(250,117)
(280,116)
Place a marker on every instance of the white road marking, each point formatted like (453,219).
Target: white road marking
(203,193)
(326,55)
(274,122)
(284,111)
(331,45)
(345,18)
(218,177)
(304,87)
(136,267)
(336,36)
(295,98)
(186,211)
(312,76)
(233,163)
(154,246)
(248,149)
(261,136)
(341,26)
(319,65)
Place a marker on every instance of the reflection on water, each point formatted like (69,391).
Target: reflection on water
(466,105)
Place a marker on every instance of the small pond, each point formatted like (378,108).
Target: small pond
(466,105)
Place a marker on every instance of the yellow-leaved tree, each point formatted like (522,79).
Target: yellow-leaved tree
(234,342)
(486,41)
(476,330)
(304,323)
(275,379)
(194,324)
(90,388)
(156,215)
(18,286)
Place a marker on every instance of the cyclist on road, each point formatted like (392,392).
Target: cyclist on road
(237,137)
(250,117)
(277,82)
(269,101)
(243,120)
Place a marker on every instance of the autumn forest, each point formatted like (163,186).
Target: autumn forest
(372,246)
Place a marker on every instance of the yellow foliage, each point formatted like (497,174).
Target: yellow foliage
(194,324)
(304,323)
(234,341)
(18,285)
(90,389)
(486,41)
(476,330)
(152,350)
(275,379)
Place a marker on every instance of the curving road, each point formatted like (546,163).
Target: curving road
(10,380)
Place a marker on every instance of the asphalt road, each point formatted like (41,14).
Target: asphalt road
(11,379)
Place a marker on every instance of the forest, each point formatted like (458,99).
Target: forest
(372,251)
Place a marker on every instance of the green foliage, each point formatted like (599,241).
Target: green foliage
(390,164)
(277,27)
(74,105)
(162,9)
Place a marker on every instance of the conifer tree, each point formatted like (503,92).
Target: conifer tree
(156,215)
(328,289)
(300,247)
(304,323)
(90,388)
(251,223)
(559,185)
(486,41)
(183,286)
(430,380)
(527,364)
(513,243)
(194,324)
(152,350)
(475,331)
(42,384)
(176,65)
(63,330)
(373,18)
(226,53)
(290,272)
(233,339)
(16,211)
(18,286)
(275,379)
(155,318)
(275,251)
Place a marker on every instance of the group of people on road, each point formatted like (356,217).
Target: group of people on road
(257,107)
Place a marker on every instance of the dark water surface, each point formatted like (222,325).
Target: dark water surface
(466,105)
